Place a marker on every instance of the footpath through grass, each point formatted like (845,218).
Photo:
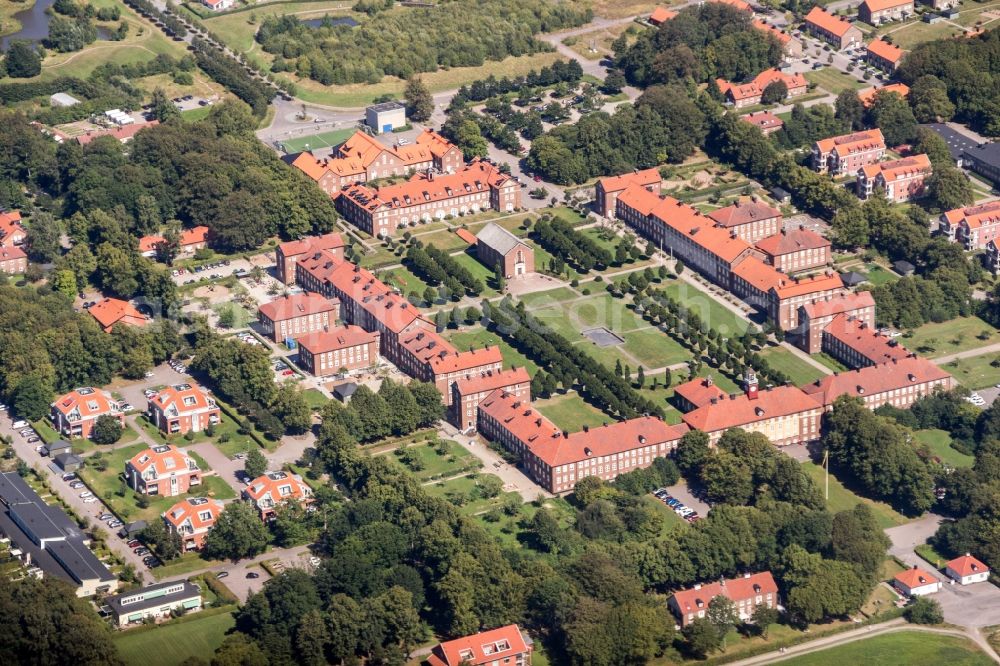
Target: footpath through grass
(903,648)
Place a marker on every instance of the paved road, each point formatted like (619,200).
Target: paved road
(968,353)
(514,480)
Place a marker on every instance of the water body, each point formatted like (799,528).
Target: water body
(333,20)
(35,25)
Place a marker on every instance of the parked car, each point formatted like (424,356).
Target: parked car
(32,440)
(106,516)
(222,574)
(115,523)
(90,500)
(3,408)
(126,407)
(69,477)
(134,543)
(86,493)
(253,575)
(76,485)
(19,424)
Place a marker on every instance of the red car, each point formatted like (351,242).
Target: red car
(288,373)
(537,178)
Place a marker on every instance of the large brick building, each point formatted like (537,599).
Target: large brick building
(778,295)
(844,155)
(468,391)
(606,190)
(752,220)
(741,95)
(899,382)
(834,30)
(556,460)
(183,408)
(901,179)
(794,250)
(495,246)
(287,254)
(292,316)
(162,470)
(746,592)
(877,12)
(13,260)
(790,47)
(856,344)
(765,121)
(363,158)
(816,315)
(974,227)
(74,414)
(341,349)
(191,519)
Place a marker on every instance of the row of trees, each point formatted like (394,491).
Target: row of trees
(395,410)
(257,93)
(563,241)
(561,71)
(462,34)
(439,268)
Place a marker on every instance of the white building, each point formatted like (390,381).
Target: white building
(156,602)
(385,117)
(967,570)
(916,582)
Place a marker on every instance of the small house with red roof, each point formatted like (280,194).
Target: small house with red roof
(765,121)
(916,582)
(13,260)
(470,390)
(183,408)
(162,470)
(191,519)
(746,592)
(339,350)
(883,55)
(295,315)
(834,30)
(966,570)
(110,312)
(504,646)
(606,190)
(218,5)
(271,489)
(790,47)
(74,414)
(661,15)
(12,232)
(287,254)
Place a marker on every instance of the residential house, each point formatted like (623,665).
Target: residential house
(191,519)
(218,5)
(470,390)
(363,158)
(183,408)
(815,316)
(75,413)
(867,96)
(504,646)
(992,257)
(13,260)
(856,344)
(883,55)
(661,15)
(338,351)
(877,12)
(741,5)
(746,592)
(750,219)
(765,121)
(974,226)
(966,570)
(110,312)
(749,94)
(294,315)
(12,232)
(784,414)
(287,254)
(901,180)
(162,470)
(797,249)
(495,246)
(845,154)
(155,602)
(916,582)
(425,197)
(899,382)
(834,30)
(790,47)
(556,460)
(606,190)
(271,489)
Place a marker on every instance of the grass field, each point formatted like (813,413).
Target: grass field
(799,371)
(432,464)
(713,313)
(948,337)
(197,635)
(903,648)
(830,362)
(602,310)
(480,337)
(975,372)
(917,33)
(655,348)
(570,413)
(933,557)
(939,442)
(317,141)
(238,32)
(833,80)
(842,499)
(464,493)
(877,275)
(405,279)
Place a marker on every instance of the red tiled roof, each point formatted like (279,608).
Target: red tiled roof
(789,288)
(761,276)
(848,302)
(700,391)
(898,169)
(975,216)
(425,345)
(782,36)
(194,236)
(297,305)
(661,15)
(10,226)
(466,360)
(361,286)
(880,5)
(736,589)
(967,565)
(916,577)
(763,119)
(491,381)
(486,647)
(11,253)
(738,4)
(864,339)
(876,379)
(743,212)
(437,144)
(320,342)
(832,24)
(121,133)
(149,243)
(867,96)
(788,241)
(270,483)
(111,311)
(885,50)
(740,410)
(700,229)
(639,199)
(555,448)
(164,459)
(467,236)
(190,510)
(294,248)
(88,401)
(643,178)
(852,143)
(183,397)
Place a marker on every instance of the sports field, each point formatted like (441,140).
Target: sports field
(317,141)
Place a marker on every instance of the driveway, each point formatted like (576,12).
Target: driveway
(514,480)
(681,491)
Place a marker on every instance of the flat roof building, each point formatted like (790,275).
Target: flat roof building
(156,601)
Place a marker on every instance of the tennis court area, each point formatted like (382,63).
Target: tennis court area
(317,141)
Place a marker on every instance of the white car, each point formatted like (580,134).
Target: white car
(3,408)
(90,500)
(19,424)
(85,494)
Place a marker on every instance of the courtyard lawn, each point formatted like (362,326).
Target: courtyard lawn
(917,33)
(956,335)
(842,499)
(443,239)
(434,465)
(403,278)
(833,80)
(463,492)
(713,313)
(515,530)
(903,648)
(606,356)
(877,275)
(655,348)
(315,398)
(975,372)
(548,298)
(570,412)
(570,215)
(799,371)
(830,362)
(478,270)
(939,443)
(931,556)
(193,636)
(603,310)
(480,337)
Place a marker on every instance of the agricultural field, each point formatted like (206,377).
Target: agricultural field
(833,80)
(903,648)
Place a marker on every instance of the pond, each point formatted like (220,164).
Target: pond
(331,20)
(35,25)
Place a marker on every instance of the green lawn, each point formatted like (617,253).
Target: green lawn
(464,493)
(799,371)
(478,270)
(842,499)
(917,33)
(405,279)
(956,335)
(833,80)
(830,362)
(196,635)
(444,239)
(433,465)
(933,557)
(480,337)
(570,413)
(602,310)
(877,275)
(315,141)
(512,530)
(904,648)
(548,298)
(315,398)
(713,313)
(655,348)
(237,31)
(975,372)
(939,442)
